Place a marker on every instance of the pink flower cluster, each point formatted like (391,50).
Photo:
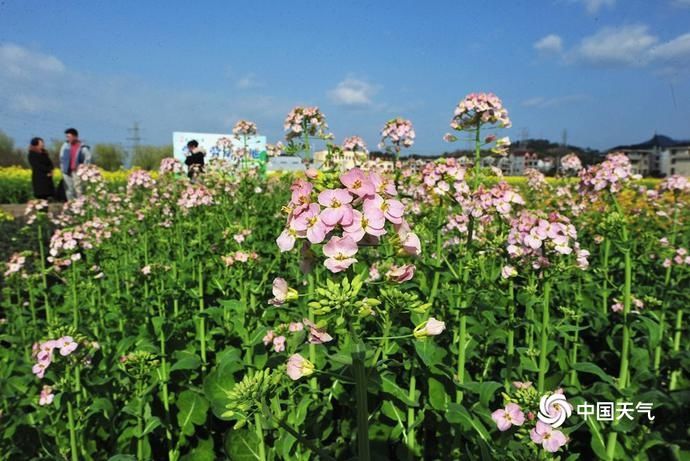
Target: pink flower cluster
(537,239)
(239,256)
(244,128)
(65,244)
(274,150)
(43,353)
(170,165)
(619,307)
(46,397)
(571,164)
(195,195)
(360,210)
(305,120)
(611,174)
(33,207)
(399,132)
(444,177)
(479,109)
(15,264)
(680,257)
(89,174)
(675,183)
(140,179)
(355,144)
(535,179)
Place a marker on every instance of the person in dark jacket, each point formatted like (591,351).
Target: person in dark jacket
(41,170)
(194,160)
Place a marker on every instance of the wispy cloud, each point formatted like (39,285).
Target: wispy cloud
(352,92)
(248,82)
(551,44)
(593,6)
(542,102)
(632,45)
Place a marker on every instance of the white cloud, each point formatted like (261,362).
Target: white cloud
(353,92)
(551,44)
(678,48)
(542,102)
(19,62)
(627,45)
(593,6)
(248,82)
(42,96)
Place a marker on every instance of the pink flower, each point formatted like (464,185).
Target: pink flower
(400,274)
(295,327)
(146,270)
(362,224)
(337,207)
(280,290)
(67,345)
(47,396)
(508,416)
(508,271)
(550,438)
(431,327)
(340,251)
(357,182)
(311,222)
(279,344)
(268,338)
(298,366)
(39,369)
(408,240)
(522,384)
(316,335)
(286,240)
(392,209)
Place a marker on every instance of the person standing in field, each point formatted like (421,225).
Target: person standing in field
(194,160)
(72,154)
(41,170)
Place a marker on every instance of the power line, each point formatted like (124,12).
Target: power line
(135,138)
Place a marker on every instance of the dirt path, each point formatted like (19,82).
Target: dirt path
(17,209)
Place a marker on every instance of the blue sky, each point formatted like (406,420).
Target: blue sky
(609,71)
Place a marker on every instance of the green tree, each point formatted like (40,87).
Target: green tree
(9,155)
(110,157)
(149,157)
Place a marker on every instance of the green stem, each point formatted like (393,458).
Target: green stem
(576,340)
(260,434)
(675,375)
(665,299)
(625,346)
(511,333)
(461,356)
(411,436)
(75,306)
(360,375)
(72,432)
(312,347)
(543,364)
(44,279)
(605,281)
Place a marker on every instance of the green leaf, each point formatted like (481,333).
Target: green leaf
(202,452)
(457,414)
(122,458)
(241,445)
(150,426)
(438,397)
(193,408)
(186,361)
(221,380)
(389,385)
(588,367)
(430,353)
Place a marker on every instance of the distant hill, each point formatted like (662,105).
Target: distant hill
(658,141)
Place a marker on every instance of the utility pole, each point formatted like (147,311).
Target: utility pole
(135,139)
(563,149)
